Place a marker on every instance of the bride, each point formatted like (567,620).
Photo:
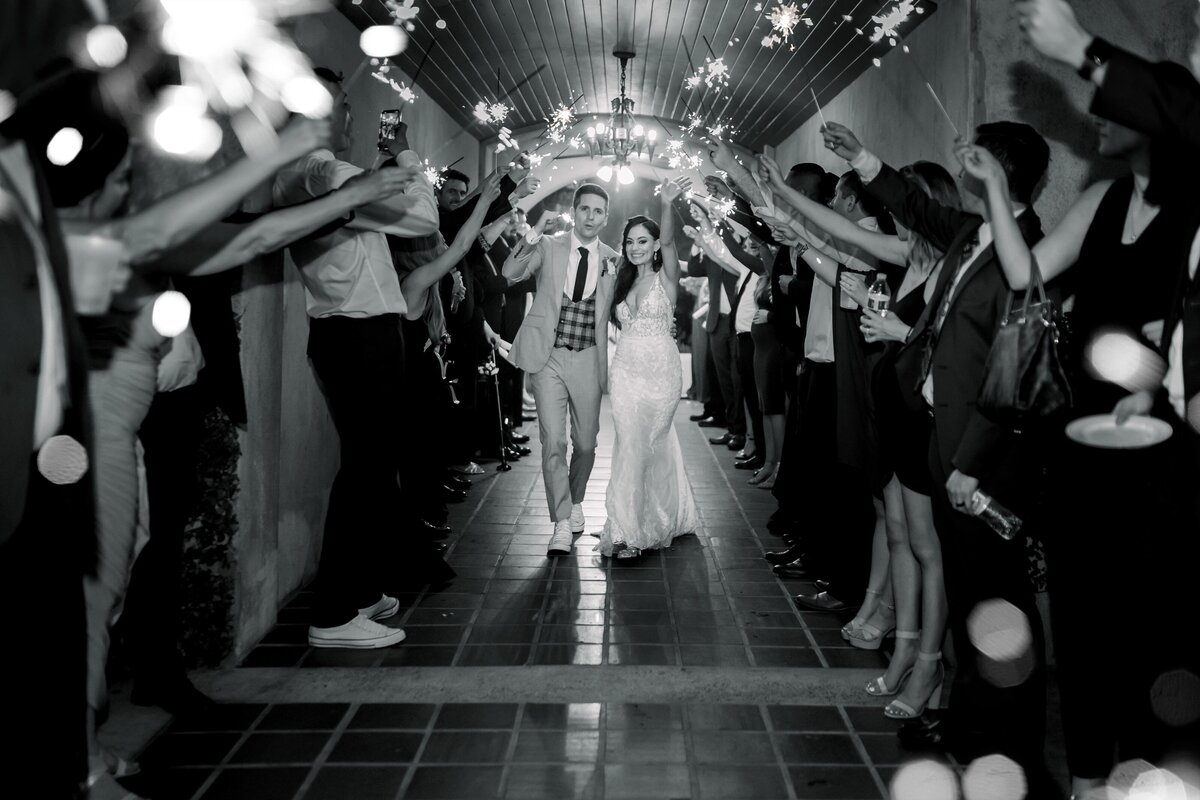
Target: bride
(649,499)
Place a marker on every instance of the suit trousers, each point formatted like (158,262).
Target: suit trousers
(569,383)
(45,709)
(745,362)
(1001,705)
(360,365)
(700,391)
(722,343)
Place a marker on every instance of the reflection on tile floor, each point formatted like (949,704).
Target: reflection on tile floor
(710,600)
(524,750)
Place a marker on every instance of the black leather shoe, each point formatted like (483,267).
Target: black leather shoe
(821,584)
(783,556)
(700,416)
(451,495)
(750,463)
(521,451)
(709,422)
(743,455)
(512,453)
(736,442)
(821,601)
(793,569)
(722,439)
(519,438)
(440,547)
(433,530)
(929,733)
(457,482)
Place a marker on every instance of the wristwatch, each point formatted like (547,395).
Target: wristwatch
(1095,56)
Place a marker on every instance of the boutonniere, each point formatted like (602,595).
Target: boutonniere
(606,265)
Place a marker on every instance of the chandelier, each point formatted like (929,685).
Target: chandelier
(622,136)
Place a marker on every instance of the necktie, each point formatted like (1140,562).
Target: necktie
(581,273)
(967,251)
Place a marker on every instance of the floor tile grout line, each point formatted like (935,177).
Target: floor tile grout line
(862,752)
(326,750)
(511,749)
(225,760)
(410,775)
(769,727)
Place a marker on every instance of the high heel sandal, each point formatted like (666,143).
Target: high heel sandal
(878,687)
(858,621)
(869,637)
(769,483)
(898,709)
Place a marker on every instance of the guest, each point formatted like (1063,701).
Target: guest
(943,361)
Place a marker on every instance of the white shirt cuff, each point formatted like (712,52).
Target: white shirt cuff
(867,165)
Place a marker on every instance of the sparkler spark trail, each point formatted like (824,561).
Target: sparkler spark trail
(889,23)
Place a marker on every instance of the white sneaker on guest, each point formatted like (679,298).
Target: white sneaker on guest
(359,633)
(384,608)
(561,541)
(578,523)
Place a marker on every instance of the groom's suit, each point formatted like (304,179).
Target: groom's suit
(567,359)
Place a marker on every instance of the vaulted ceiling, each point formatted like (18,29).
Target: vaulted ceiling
(488,47)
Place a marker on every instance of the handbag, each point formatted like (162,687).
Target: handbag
(1024,379)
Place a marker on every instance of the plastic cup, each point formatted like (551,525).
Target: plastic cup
(95,262)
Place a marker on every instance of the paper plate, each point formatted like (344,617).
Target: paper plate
(1102,430)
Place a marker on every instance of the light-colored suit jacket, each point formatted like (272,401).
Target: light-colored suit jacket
(548,261)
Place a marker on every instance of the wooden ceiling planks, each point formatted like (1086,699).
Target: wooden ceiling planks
(770,91)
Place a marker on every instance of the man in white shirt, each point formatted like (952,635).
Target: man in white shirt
(357,351)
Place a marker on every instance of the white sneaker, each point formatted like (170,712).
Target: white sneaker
(578,523)
(385,608)
(359,633)
(561,541)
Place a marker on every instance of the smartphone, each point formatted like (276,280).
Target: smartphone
(389,119)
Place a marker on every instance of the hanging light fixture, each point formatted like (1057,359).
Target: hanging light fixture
(622,137)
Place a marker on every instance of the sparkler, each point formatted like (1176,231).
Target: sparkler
(887,24)
(405,92)
(818,105)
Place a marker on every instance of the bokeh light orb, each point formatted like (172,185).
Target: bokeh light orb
(440,24)
(382,41)
(1158,784)
(106,46)
(925,780)
(62,460)
(1175,697)
(64,146)
(170,314)
(180,133)
(994,777)
(1119,358)
(999,630)
(307,96)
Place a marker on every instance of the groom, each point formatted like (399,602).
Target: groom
(563,345)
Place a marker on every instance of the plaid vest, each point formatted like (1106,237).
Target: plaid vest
(576,324)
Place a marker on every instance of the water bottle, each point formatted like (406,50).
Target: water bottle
(879,297)
(998,518)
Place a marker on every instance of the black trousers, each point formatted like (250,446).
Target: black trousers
(1001,707)
(722,343)
(360,364)
(45,707)
(745,363)
(171,436)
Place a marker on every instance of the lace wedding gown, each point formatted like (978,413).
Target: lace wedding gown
(649,500)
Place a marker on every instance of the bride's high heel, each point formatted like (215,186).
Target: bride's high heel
(878,687)
(898,709)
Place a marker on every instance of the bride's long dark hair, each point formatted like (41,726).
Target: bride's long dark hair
(627,272)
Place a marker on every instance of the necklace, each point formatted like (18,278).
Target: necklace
(1138,207)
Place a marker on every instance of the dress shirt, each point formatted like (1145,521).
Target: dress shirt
(594,266)
(350,272)
(1173,380)
(818,334)
(17,182)
(747,283)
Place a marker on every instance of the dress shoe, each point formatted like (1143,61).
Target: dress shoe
(709,422)
(753,463)
(519,438)
(457,482)
(821,601)
(451,495)
(433,530)
(178,697)
(700,416)
(736,442)
(821,584)
(792,569)
(783,556)
(725,438)
(440,547)
(743,455)
(514,454)
(520,450)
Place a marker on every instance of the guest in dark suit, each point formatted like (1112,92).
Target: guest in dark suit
(942,365)
(718,324)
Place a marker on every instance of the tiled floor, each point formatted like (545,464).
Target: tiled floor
(710,600)
(524,750)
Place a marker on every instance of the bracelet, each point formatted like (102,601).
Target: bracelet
(802,247)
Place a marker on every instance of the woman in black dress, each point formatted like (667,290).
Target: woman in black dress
(915,567)
(1115,514)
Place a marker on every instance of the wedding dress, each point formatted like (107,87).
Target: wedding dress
(649,500)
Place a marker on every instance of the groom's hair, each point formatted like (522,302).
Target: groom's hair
(589,188)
